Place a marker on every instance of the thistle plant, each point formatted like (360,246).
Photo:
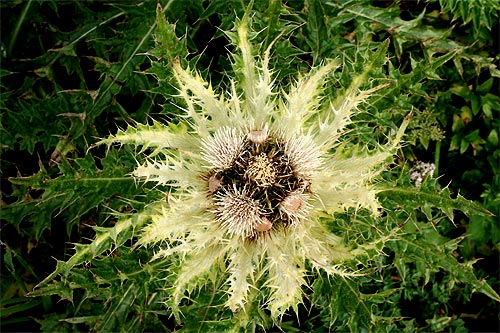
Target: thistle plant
(252,171)
(251,178)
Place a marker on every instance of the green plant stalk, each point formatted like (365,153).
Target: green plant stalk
(437,157)
(18,27)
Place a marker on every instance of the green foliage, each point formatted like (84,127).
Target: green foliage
(73,72)
(482,13)
(80,189)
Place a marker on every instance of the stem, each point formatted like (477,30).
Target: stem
(437,157)
(18,27)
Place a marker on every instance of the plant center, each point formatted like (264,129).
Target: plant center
(261,170)
(261,175)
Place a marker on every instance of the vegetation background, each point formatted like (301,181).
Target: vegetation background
(73,71)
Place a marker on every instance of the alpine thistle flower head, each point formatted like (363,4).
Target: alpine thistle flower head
(252,171)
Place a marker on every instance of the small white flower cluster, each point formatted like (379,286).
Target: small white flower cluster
(420,171)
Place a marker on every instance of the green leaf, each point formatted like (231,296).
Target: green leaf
(434,256)
(117,314)
(79,190)
(485,87)
(106,239)
(22,304)
(344,304)
(440,200)
(168,46)
(317,36)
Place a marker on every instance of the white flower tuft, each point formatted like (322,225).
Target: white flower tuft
(222,148)
(238,214)
(304,155)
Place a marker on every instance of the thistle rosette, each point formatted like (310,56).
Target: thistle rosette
(251,171)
